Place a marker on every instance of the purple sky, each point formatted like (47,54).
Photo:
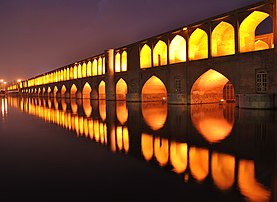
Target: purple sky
(37,36)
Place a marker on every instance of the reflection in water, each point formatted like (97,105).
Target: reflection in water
(213,121)
(184,156)
(154,114)
(4,106)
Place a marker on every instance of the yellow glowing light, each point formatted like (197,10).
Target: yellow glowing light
(198,45)
(84,70)
(89,70)
(247,30)
(124,61)
(86,90)
(177,50)
(160,54)
(121,90)
(87,107)
(117,63)
(102,109)
(223,39)
(154,114)
(249,186)
(101,90)
(94,67)
(223,170)
(145,57)
(73,91)
(100,66)
(178,156)
(121,112)
(161,150)
(147,146)
(199,163)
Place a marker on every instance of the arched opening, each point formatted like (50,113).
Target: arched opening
(250,38)
(84,70)
(209,88)
(223,39)
(55,91)
(145,57)
(121,90)
(61,75)
(86,90)
(177,50)
(79,71)
(154,90)
(94,67)
(198,45)
(100,66)
(87,107)
(117,62)
(160,54)
(63,90)
(124,61)
(71,73)
(89,69)
(101,90)
(49,91)
(73,91)
(75,72)
(154,114)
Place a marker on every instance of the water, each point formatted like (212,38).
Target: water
(88,150)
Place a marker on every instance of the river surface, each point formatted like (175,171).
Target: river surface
(90,150)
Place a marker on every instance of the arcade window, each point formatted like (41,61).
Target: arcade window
(261,82)
(178,85)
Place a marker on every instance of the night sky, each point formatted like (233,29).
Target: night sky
(37,36)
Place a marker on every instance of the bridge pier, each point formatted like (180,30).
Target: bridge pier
(133,97)
(256,101)
(109,77)
(173,98)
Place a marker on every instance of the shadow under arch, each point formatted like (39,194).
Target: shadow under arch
(154,90)
(211,87)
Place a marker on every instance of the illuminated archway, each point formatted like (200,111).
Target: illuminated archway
(79,71)
(86,90)
(101,90)
(89,70)
(160,54)
(177,50)
(55,91)
(261,45)
(73,91)
(154,90)
(84,69)
(63,90)
(124,61)
(145,57)
(94,67)
(100,66)
(198,45)
(223,39)
(71,74)
(248,36)
(49,91)
(87,107)
(208,88)
(75,72)
(117,62)
(121,90)
(154,114)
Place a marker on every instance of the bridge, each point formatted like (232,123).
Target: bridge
(225,58)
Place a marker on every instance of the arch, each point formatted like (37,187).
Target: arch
(75,72)
(63,90)
(117,62)
(121,90)
(73,91)
(208,88)
(79,71)
(223,39)
(101,90)
(124,61)
(261,45)
(154,90)
(100,66)
(198,45)
(55,90)
(160,54)
(94,67)
(84,70)
(86,90)
(71,73)
(177,50)
(61,75)
(89,70)
(247,35)
(145,57)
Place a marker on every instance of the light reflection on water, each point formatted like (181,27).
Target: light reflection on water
(210,143)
